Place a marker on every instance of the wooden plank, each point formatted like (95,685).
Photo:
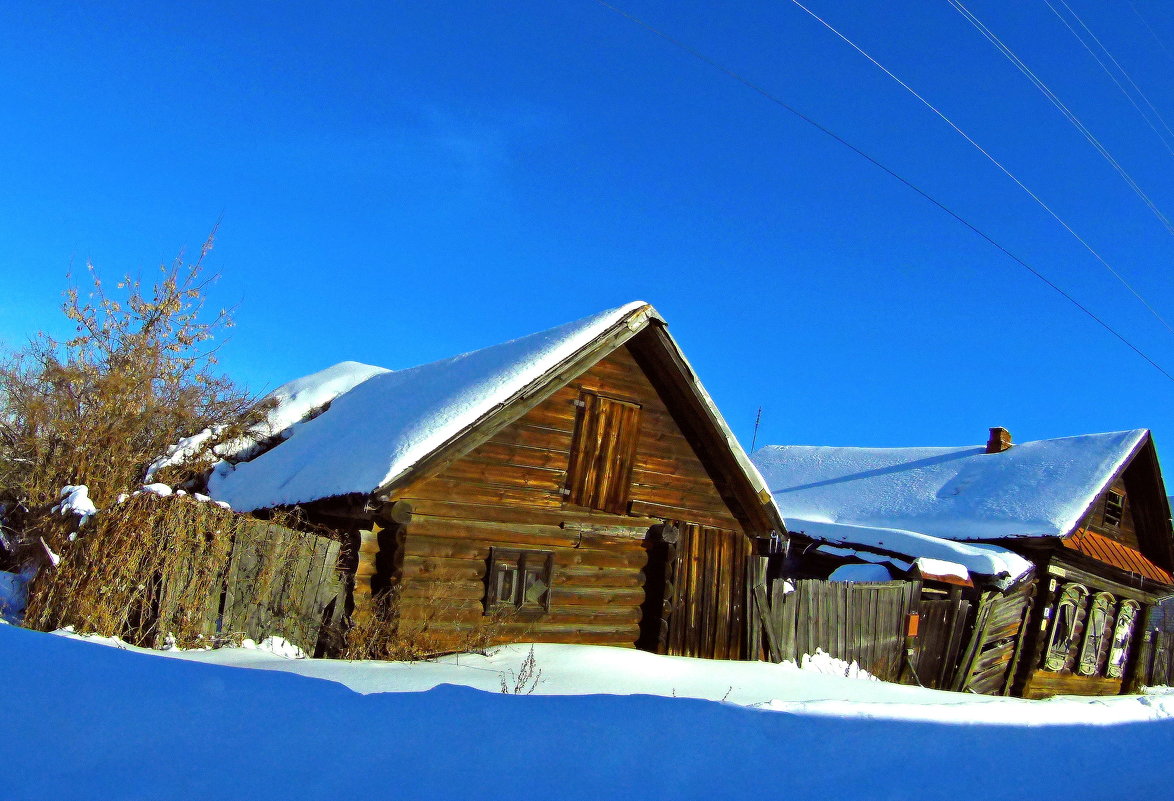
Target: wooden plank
(973,648)
(705,599)
(520,515)
(737,629)
(753,576)
(768,624)
(522,434)
(530,535)
(663,512)
(444,489)
(507,475)
(1045,684)
(422,545)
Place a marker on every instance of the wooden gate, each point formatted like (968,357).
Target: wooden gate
(939,639)
(862,622)
(704,592)
(988,663)
(1155,666)
(277,581)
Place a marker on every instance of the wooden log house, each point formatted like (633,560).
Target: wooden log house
(576,486)
(1067,544)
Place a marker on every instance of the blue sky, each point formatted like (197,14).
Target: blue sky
(398,182)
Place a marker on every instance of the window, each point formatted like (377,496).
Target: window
(1122,637)
(1114,508)
(518,580)
(600,472)
(1096,633)
(1067,611)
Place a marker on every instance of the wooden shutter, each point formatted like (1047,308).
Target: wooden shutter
(602,453)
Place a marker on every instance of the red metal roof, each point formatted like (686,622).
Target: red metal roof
(1111,552)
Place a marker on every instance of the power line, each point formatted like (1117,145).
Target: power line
(1059,104)
(1161,44)
(991,159)
(1109,72)
(833,135)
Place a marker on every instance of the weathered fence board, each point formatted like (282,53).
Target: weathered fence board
(938,641)
(985,666)
(860,622)
(1157,667)
(280,582)
(866,622)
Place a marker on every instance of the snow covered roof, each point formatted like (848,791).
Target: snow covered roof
(926,501)
(978,559)
(381,423)
(1034,489)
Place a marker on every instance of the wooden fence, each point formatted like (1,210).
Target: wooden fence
(864,622)
(277,581)
(1156,660)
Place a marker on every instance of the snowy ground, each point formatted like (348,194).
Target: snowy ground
(90,721)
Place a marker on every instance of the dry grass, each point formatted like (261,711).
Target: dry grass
(382,633)
(151,570)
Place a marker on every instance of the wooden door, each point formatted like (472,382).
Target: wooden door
(705,586)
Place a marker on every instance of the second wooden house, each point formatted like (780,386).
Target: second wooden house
(1067,544)
(575,485)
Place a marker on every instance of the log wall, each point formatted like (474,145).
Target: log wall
(509,492)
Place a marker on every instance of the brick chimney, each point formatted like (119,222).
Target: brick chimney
(1000,440)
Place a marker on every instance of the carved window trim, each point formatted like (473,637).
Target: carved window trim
(1096,630)
(1127,617)
(518,581)
(1065,618)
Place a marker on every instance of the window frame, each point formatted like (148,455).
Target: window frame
(1113,513)
(1071,598)
(1122,642)
(1096,628)
(518,563)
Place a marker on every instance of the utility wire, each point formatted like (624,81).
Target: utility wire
(1117,64)
(991,159)
(1059,104)
(1161,44)
(1109,72)
(757,88)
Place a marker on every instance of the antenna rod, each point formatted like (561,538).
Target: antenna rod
(757,420)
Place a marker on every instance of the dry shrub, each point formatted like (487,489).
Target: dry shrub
(152,570)
(97,408)
(383,634)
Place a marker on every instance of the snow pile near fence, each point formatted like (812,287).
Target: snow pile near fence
(96,722)
(377,430)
